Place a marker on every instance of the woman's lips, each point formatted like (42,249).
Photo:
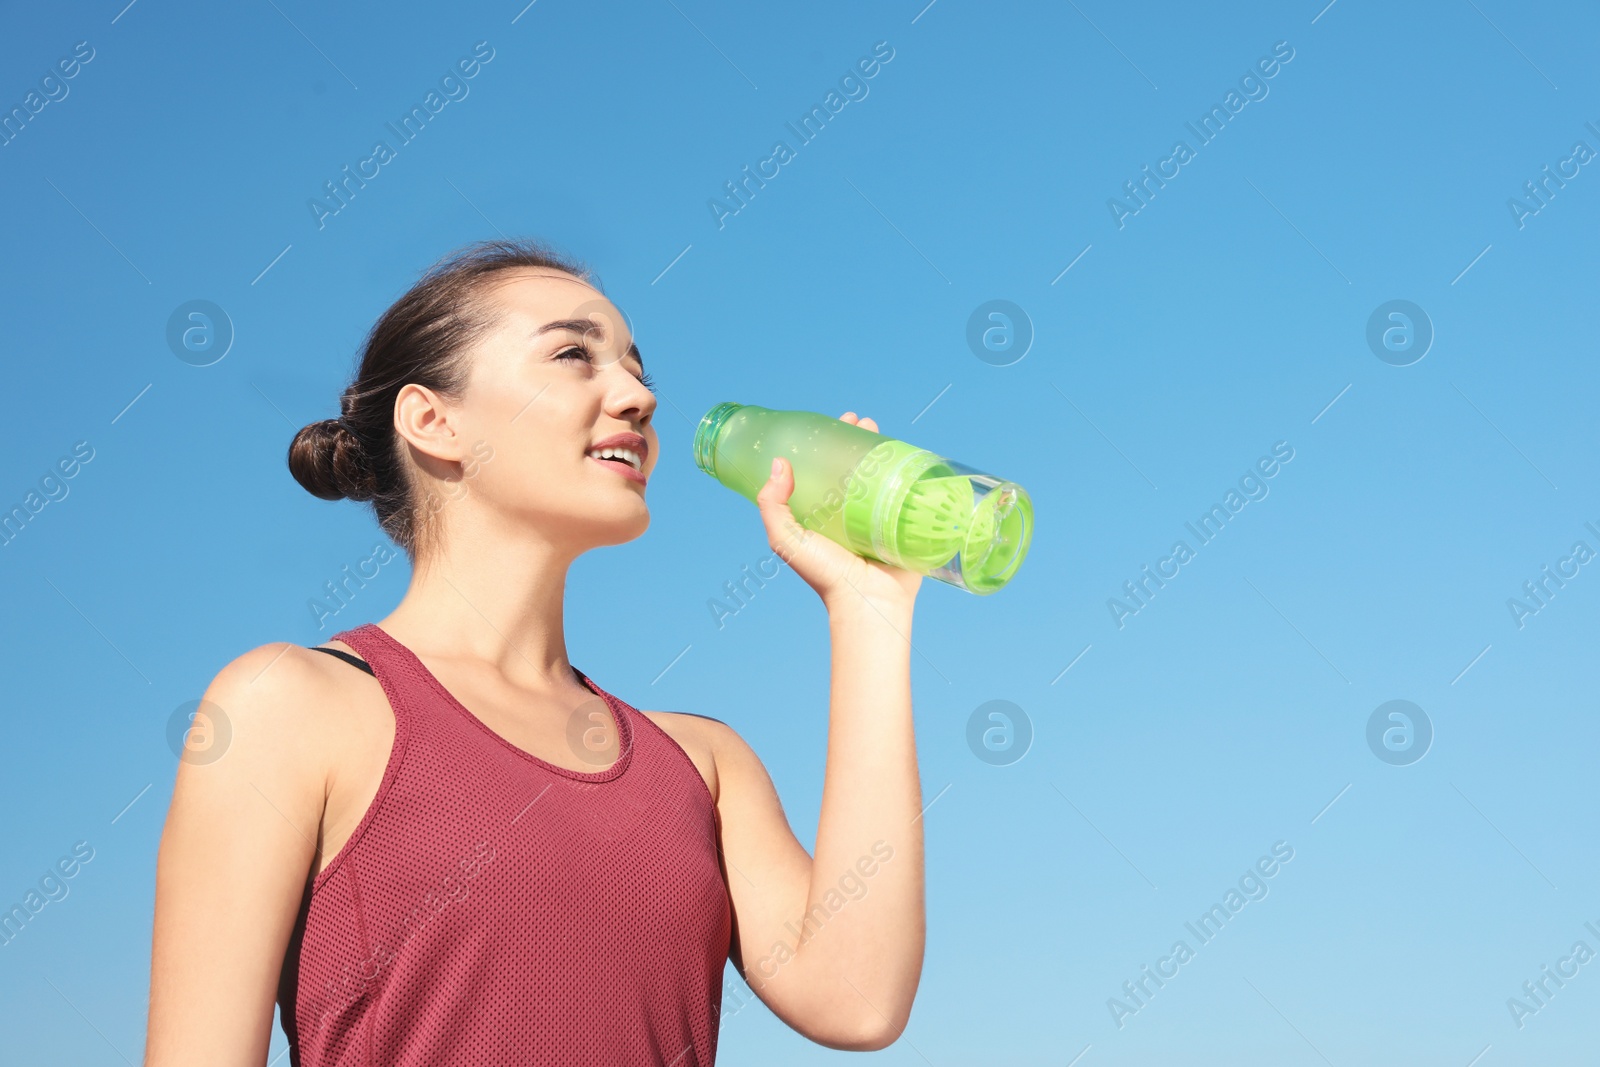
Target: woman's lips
(624,469)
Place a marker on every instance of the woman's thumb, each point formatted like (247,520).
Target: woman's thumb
(780,483)
(784,533)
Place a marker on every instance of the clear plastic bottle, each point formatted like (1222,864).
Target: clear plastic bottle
(879,497)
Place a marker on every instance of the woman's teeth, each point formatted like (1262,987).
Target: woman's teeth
(627,455)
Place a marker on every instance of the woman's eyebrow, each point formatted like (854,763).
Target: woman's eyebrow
(586,327)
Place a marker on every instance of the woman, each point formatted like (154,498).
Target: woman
(432,840)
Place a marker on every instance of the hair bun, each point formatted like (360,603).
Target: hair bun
(325,458)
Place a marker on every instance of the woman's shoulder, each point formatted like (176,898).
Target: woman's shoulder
(716,749)
(701,737)
(282,674)
(284,698)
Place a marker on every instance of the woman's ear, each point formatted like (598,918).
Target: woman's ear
(430,424)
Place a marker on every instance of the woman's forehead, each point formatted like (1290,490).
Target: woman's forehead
(538,301)
(548,295)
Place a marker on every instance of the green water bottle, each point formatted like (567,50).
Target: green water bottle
(879,497)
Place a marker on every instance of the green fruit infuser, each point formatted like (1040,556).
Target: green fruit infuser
(879,497)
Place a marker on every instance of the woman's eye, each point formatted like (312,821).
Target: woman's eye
(584,354)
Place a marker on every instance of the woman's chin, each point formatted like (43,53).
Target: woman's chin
(615,526)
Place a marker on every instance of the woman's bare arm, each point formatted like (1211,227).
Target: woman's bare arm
(833,944)
(238,846)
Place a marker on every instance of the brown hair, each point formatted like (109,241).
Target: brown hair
(421,339)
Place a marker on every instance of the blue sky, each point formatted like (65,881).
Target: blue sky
(1176,339)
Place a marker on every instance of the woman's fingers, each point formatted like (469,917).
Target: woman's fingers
(822,563)
(784,533)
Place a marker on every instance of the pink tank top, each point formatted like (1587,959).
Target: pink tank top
(493,908)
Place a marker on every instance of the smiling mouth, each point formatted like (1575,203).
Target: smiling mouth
(622,468)
(626,456)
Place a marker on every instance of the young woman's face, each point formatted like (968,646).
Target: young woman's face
(553,379)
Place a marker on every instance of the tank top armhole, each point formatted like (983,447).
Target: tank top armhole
(360,641)
(672,745)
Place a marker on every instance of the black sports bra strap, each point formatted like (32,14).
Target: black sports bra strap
(364,665)
(347,657)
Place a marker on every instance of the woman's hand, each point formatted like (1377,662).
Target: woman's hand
(841,578)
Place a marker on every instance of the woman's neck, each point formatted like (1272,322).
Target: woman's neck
(499,603)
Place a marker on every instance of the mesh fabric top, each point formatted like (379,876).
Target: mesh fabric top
(492,908)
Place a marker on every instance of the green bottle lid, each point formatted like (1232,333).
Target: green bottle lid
(705,436)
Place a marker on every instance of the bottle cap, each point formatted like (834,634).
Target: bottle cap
(705,436)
